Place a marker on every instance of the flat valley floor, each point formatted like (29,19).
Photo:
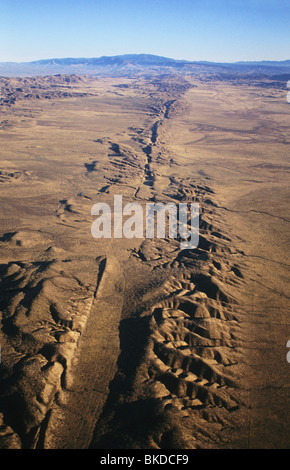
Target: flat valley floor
(135,343)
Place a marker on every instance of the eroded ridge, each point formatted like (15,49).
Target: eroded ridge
(195,348)
(45,307)
(194,356)
(185,389)
(40,88)
(80,402)
(195,340)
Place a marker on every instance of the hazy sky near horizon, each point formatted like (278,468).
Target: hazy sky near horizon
(214,30)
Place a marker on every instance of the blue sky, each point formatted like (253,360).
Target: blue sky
(215,30)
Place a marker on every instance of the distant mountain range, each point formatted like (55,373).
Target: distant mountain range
(131,62)
(127,59)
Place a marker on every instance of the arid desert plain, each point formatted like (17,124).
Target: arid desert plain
(134,343)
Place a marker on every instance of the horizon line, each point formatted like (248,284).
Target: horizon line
(144,54)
